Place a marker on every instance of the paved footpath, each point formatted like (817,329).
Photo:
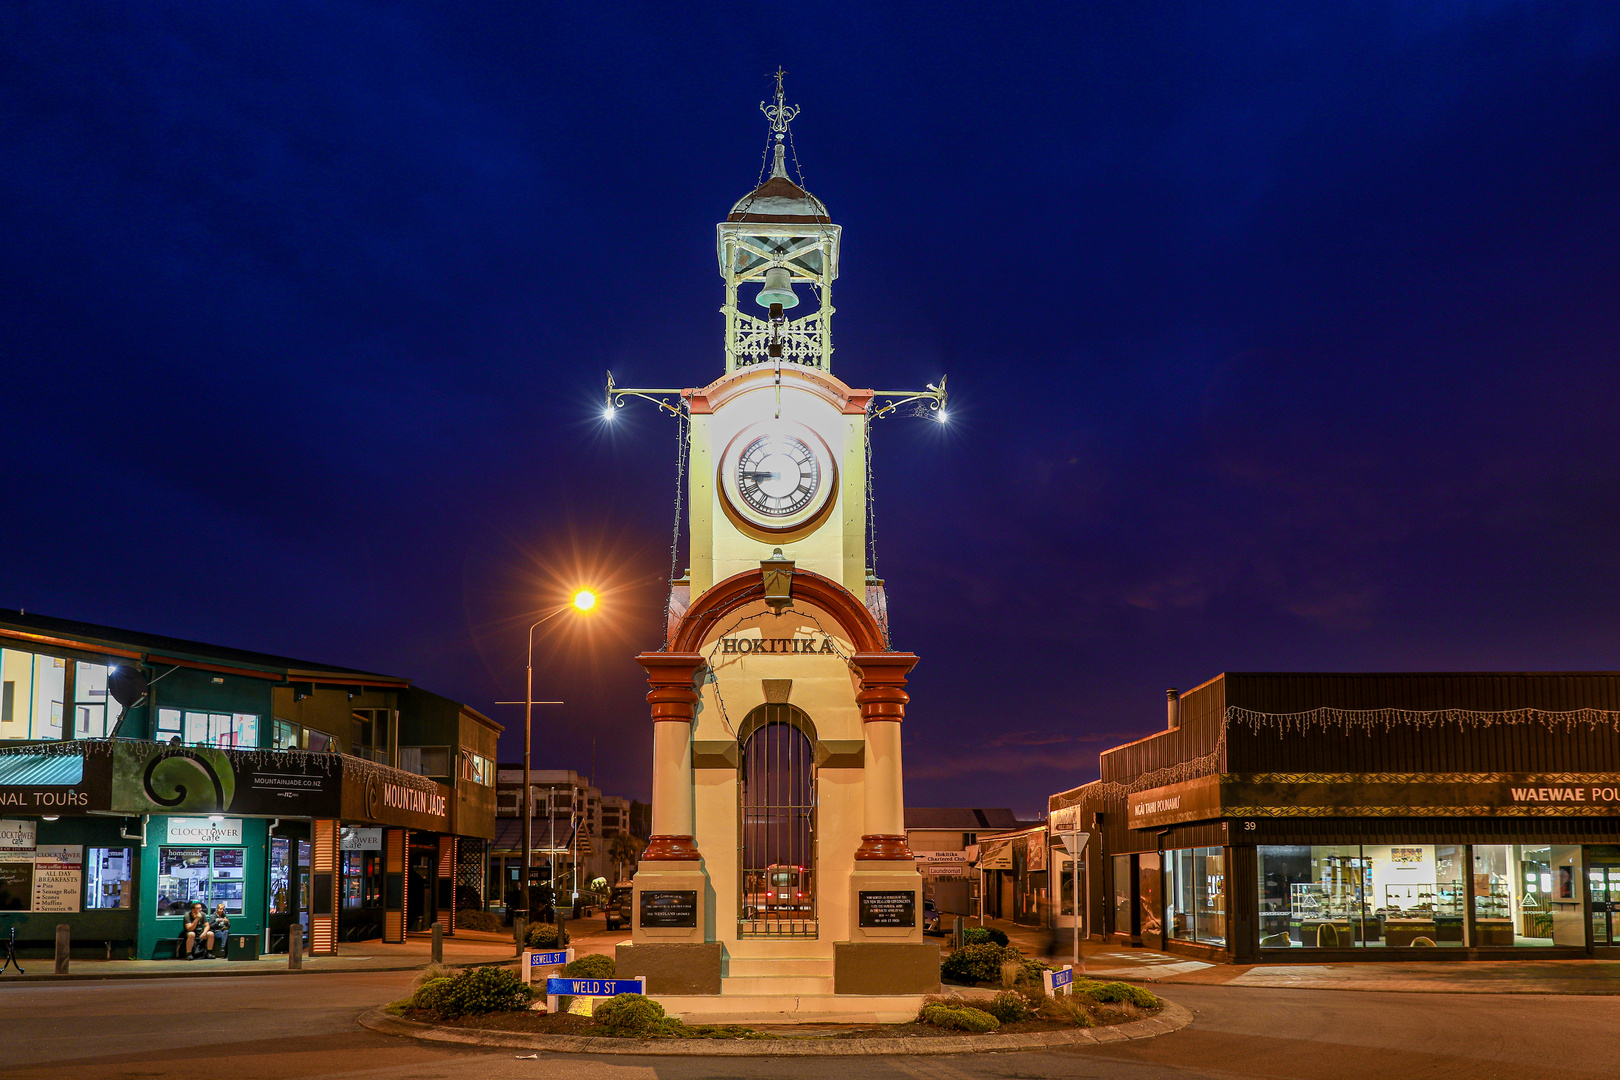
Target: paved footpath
(1443,976)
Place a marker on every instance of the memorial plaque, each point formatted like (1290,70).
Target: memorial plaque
(896,908)
(674,908)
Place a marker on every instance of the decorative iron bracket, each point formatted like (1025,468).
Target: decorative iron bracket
(934,395)
(617,394)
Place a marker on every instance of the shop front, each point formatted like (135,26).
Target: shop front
(342,846)
(1330,817)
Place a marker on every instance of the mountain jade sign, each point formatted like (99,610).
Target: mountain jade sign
(1263,795)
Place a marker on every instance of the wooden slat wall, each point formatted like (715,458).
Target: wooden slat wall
(1411,748)
(323,882)
(394,842)
(447,876)
(1202,714)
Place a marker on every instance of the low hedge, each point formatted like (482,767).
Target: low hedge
(958,1018)
(591,966)
(1010,1007)
(1112,993)
(476,990)
(974,964)
(630,1014)
(979,935)
(474,919)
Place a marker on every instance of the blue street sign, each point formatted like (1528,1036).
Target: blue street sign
(547,959)
(1062,978)
(593,987)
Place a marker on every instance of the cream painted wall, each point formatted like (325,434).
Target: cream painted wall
(824,687)
(837,548)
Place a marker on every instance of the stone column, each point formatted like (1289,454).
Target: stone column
(674,699)
(882,956)
(883,707)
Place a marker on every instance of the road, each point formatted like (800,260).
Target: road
(296,1026)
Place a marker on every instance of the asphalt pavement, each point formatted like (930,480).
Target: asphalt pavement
(293,1026)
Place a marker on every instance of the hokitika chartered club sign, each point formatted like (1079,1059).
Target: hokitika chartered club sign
(812,643)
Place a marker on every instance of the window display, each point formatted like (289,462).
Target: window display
(108,874)
(1122,894)
(1195,885)
(1406,896)
(201,875)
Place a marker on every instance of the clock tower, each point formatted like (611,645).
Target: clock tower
(777,883)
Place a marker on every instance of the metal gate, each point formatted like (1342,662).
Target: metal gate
(777,782)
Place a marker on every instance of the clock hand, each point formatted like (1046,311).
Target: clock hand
(759,474)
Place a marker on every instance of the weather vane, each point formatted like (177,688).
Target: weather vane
(779,115)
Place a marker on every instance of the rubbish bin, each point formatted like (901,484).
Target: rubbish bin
(243,947)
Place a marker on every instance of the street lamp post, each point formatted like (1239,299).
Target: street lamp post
(583,601)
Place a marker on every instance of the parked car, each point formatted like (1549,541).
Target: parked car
(932,923)
(617,910)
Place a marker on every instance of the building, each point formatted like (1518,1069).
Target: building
(572,827)
(777,698)
(945,843)
(141,773)
(1405,816)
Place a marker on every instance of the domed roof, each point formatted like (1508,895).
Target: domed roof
(782,201)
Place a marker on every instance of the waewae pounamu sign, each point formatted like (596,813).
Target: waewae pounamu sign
(1273,795)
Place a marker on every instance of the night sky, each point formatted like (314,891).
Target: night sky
(1279,336)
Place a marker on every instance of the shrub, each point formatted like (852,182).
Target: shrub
(590,966)
(1010,1007)
(629,1014)
(996,936)
(1066,1009)
(1116,992)
(476,990)
(544,936)
(974,964)
(975,935)
(430,996)
(474,919)
(963,1018)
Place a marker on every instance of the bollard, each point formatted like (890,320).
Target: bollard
(64,944)
(438,943)
(562,933)
(520,932)
(956,932)
(295,947)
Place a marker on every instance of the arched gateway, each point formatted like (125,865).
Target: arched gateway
(777,875)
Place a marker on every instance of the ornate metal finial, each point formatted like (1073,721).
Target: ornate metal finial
(779,115)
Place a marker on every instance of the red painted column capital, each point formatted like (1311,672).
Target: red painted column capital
(673,676)
(882,698)
(883,675)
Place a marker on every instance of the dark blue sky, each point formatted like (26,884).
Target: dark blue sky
(1280,336)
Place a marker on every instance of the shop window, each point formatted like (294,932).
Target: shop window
(280,876)
(431,761)
(284,735)
(108,875)
(32,689)
(319,742)
(1513,895)
(1122,894)
(373,727)
(225,730)
(476,768)
(1195,886)
(188,875)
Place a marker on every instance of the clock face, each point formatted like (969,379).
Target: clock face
(777,475)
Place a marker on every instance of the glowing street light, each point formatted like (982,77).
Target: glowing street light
(584,600)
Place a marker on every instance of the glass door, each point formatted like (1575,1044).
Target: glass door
(1605,882)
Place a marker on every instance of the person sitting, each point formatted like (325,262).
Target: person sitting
(220,928)
(199,939)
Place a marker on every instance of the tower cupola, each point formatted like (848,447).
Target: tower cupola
(779,237)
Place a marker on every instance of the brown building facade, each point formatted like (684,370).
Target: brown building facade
(1363,816)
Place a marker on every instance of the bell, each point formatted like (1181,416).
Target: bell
(778,289)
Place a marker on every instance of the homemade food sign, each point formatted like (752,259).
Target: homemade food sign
(1257,795)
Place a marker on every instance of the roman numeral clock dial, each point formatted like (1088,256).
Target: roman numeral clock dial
(777,475)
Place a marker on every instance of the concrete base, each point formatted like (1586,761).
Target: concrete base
(794,1008)
(683,968)
(880,967)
